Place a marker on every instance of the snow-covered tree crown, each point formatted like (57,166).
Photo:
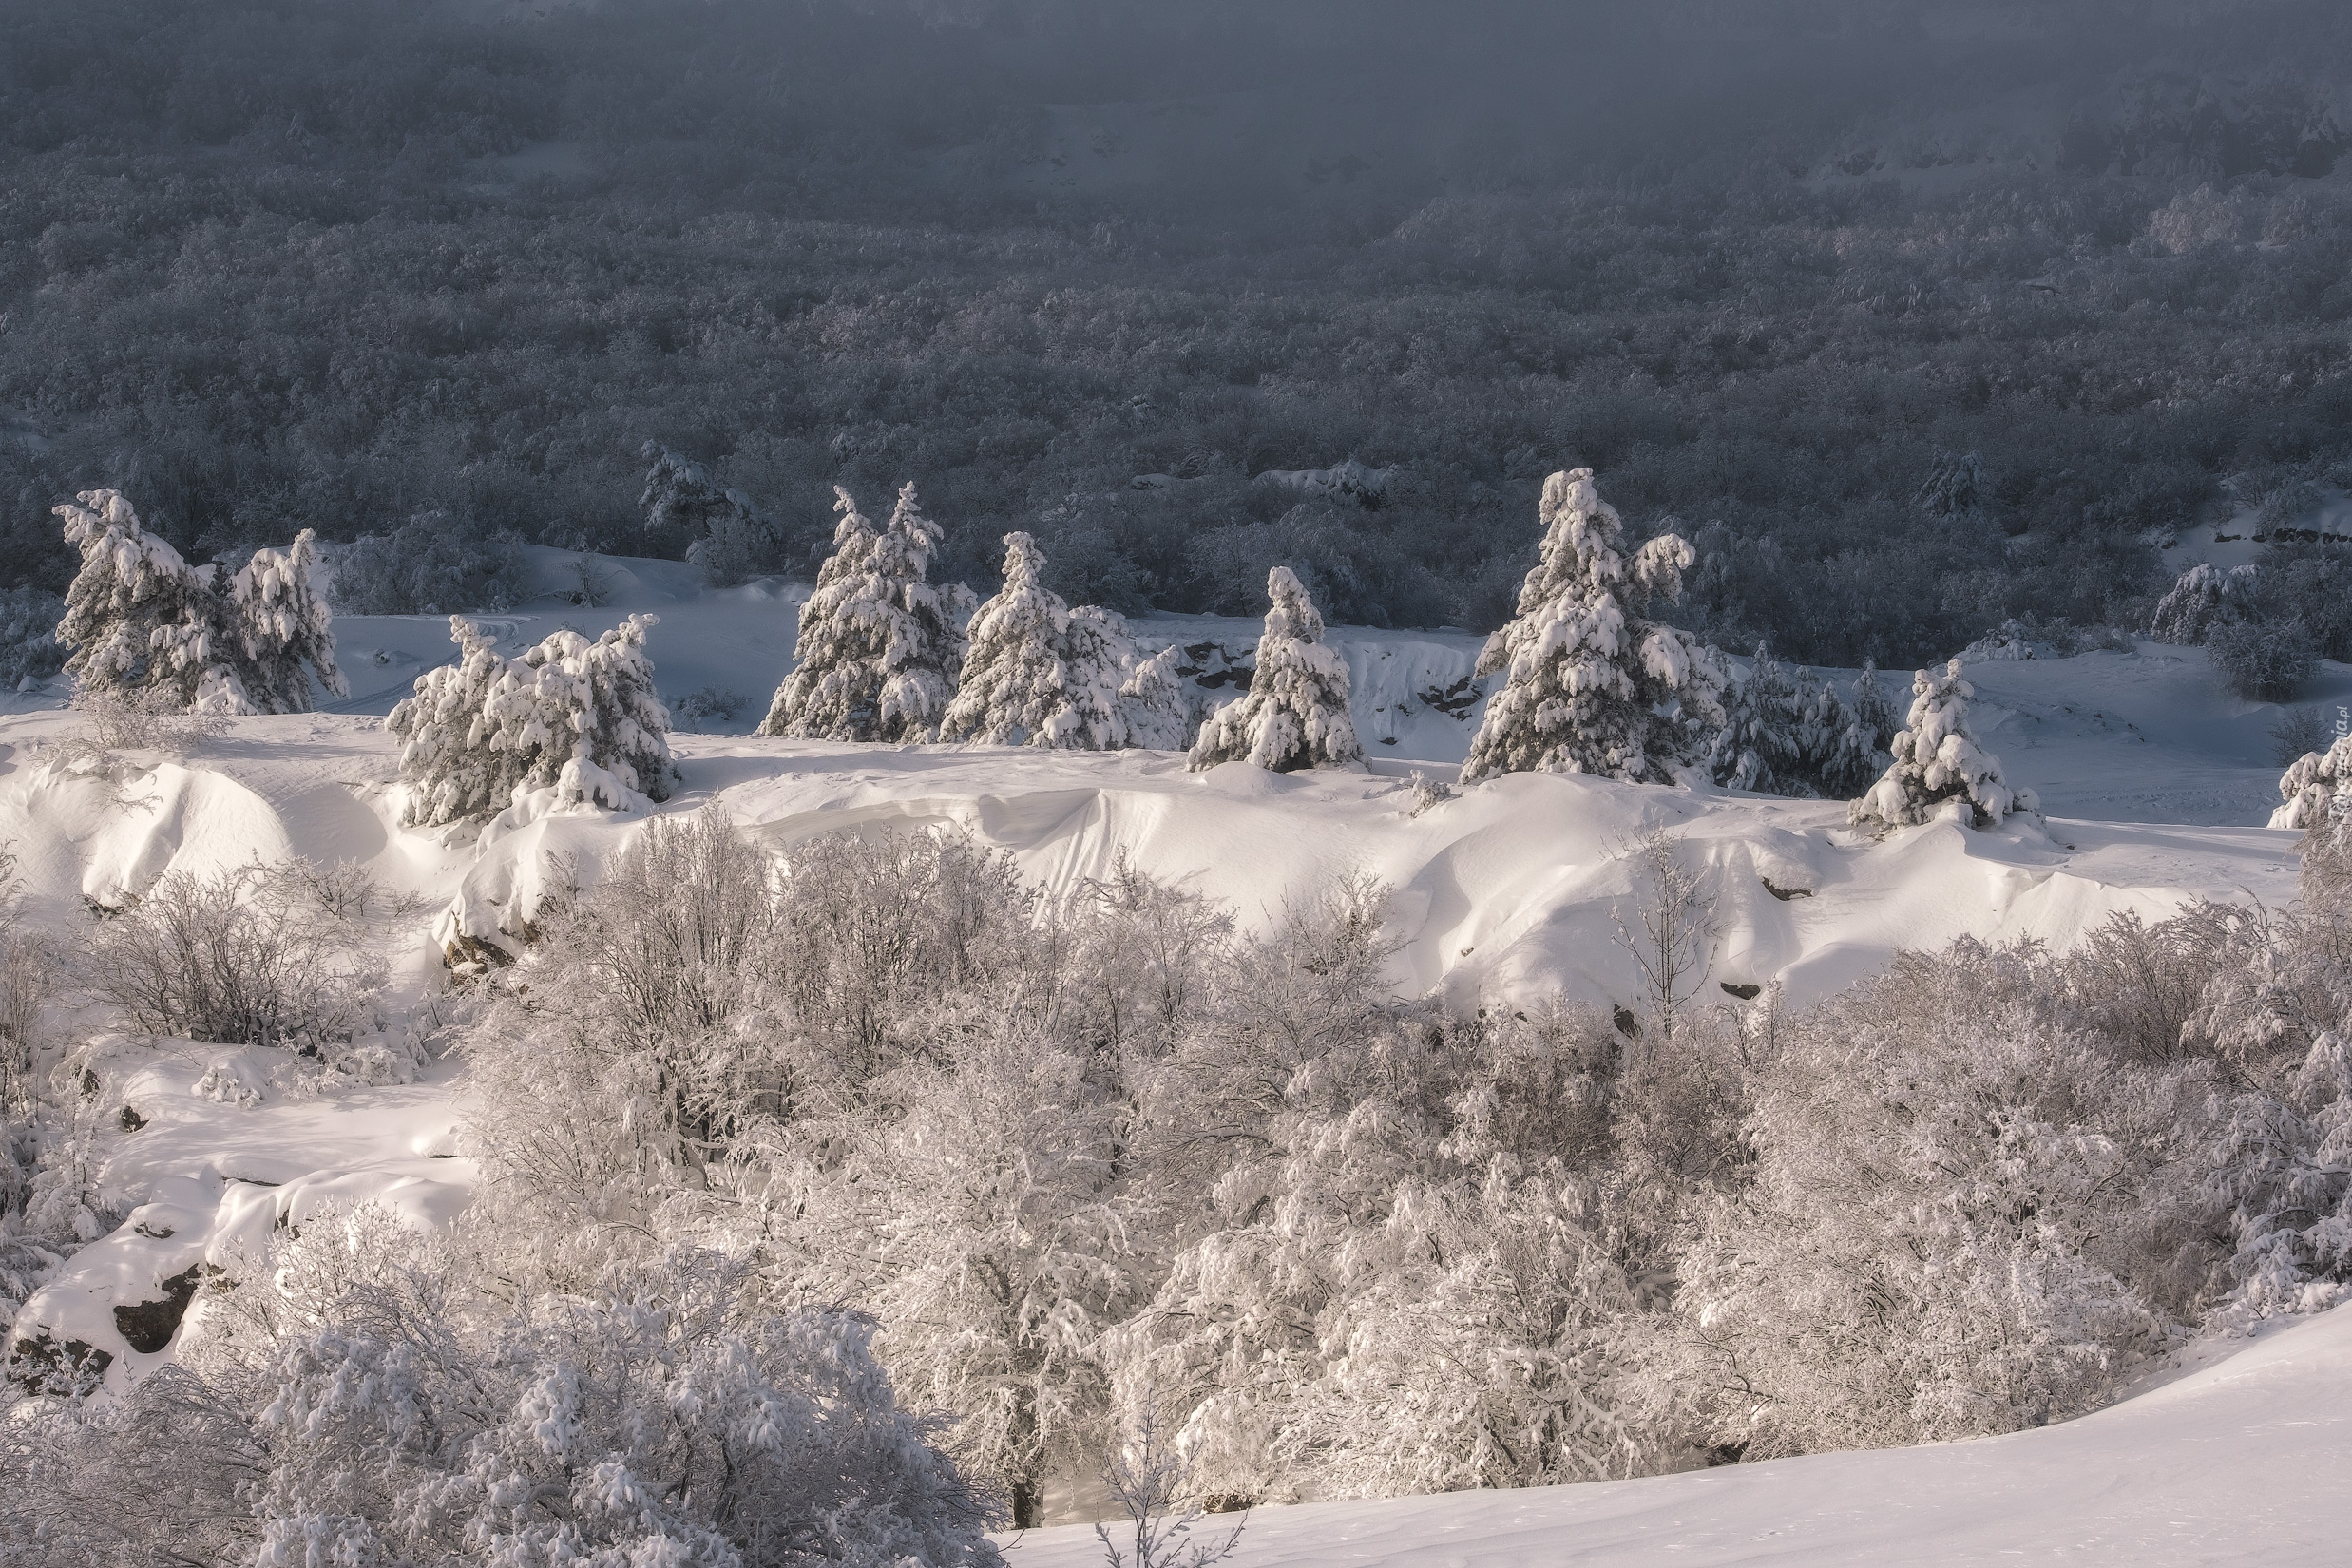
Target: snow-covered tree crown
(1593,687)
(879,650)
(2317,787)
(1295,715)
(573,715)
(140,619)
(1013,676)
(1938,758)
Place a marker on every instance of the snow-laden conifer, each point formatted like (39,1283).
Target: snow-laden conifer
(1097,656)
(140,620)
(1874,713)
(2313,787)
(1938,758)
(1295,715)
(2203,598)
(731,537)
(1015,685)
(879,650)
(1840,756)
(1593,687)
(284,630)
(573,715)
(1760,745)
(1158,715)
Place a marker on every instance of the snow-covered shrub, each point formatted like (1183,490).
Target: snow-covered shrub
(2311,786)
(1938,758)
(2264,661)
(1964,1217)
(431,564)
(140,620)
(705,704)
(239,957)
(1037,671)
(2203,598)
(576,717)
(1159,715)
(981,1221)
(2297,732)
(879,651)
(359,1398)
(1761,745)
(728,535)
(1592,686)
(1295,714)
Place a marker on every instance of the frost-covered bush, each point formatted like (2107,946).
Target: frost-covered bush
(1590,685)
(1964,1217)
(1295,714)
(1938,758)
(145,623)
(242,957)
(2265,662)
(576,717)
(431,564)
(879,649)
(360,1397)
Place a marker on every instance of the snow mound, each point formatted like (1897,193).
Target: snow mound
(2247,1460)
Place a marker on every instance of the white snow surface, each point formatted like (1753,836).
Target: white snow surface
(2246,1460)
(2156,780)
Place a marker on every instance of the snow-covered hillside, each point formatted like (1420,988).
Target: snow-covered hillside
(2246,1460)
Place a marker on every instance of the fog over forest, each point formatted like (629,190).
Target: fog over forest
(1913,317)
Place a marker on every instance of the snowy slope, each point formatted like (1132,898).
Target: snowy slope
(2245,1461)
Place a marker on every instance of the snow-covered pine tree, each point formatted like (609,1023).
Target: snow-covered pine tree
(2201,599)
(879,650)
(571,715)
(1097,656)
(1760,744)
(1938,758)
(1295,715)
(1158,715)
(2313,784)
(140,620)
(1592,686)
(1839,756)
(1874,714)
(284,629)
(1953,489)
(1015,686)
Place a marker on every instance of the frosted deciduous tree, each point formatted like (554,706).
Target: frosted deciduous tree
(1295,714)
(1938,758)
(2313,787)
(576,717)
(1158,715)
(879,651)
(1592,686)
(1761,744)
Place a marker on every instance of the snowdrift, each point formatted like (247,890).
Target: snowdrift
(2247,1460)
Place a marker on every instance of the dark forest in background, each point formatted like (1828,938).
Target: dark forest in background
(1913,317)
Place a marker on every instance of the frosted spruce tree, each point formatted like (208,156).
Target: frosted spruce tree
(576,717)
(144,622)
(1158,716)
(1841,758)
(879,650)
(285,632)
(1295,715)
(1036,672)
(1938,758)
(1761,744)
(1874,712)
(730,538)
(1592,686)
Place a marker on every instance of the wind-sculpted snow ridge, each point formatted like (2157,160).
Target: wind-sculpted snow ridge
(2247,1460)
